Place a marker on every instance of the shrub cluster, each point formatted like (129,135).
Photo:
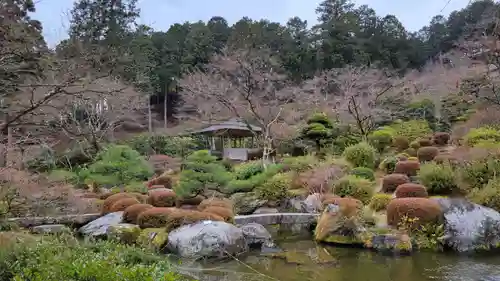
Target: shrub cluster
(392,181)
(488,196)
(355,187)
(363,172)
(155,217)
(482,134)
(361,155)
(381,139)
(132,212)
(441,138)
(388,164)
(401,143)
(161,144)
(123,204)
(422,210)
(275,188)
(439,179)
(112,199)
(409,168)
(379,201)
(427,153)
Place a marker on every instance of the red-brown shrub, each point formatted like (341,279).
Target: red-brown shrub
(408,167)
(411,190)
(226,214)
(423,209)
(392,181)
(441,138)
(401,143)
(131,213)
(183,217)
(216,202)
(424,142)
(349,206)
(190,201)
(122,204)
(427,153)
(112,199)
(162,198)
(165,180)
(155,217)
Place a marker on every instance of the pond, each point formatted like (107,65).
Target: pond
(305,260)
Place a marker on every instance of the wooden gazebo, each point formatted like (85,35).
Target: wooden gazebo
(231,139)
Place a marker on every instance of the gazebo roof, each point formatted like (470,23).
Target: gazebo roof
(232,125)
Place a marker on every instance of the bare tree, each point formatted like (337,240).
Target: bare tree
(246,85)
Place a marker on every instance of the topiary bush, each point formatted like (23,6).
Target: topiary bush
(122,204)
(162,198)
(363,172)
(379,201)
(439,179)
(415,145)
(401,143)
(408,167)
(349,206)
(361,155)
(201,172)
(276,188)
(225,213)
(117,165)
(392,181)
(411,190)
(482,134)
(112,199)
(185,217)
(355,187)
(424,142)
(319,128)
(155,217)
(488,196)
(216,202)
(381,139)
(131,213)
(413,211)
(441,138)
(388,164)
(248,169)
(427,153)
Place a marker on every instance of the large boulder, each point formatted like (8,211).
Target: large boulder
(256,235)
(123,232)
(100,226)
(207,239)
(468,226)
(245,203)
(341,224)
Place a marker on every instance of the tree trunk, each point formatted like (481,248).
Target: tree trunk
(150,119)
(165,115)
(267,148)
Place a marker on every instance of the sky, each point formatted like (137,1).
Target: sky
(160,14)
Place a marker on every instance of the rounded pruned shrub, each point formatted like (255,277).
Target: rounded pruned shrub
(441,138)
(424,142)
(427,153)
(164,180)
(275,188)
(185,217)
(411,190)
(361,155)
(355,187)
(131,213)
(488,196)
(216,202)
(363,172)
(412,152)
(122,204)
(155,217)
(380,139)
(388,164)
(349,206)
(225,213)
(246,170)
(439,179)
(401,143)
(112,199)
(408,167)
(392,181)
(415,145)
(196,200)
(413,212)
(162,198)
(379,201)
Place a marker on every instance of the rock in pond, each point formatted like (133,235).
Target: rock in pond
(256,235)
(336,226)
(123,232)
(207,239)
(389,243)
(245,203)
(100,226)
(153,238)
(468,226)
(50,229)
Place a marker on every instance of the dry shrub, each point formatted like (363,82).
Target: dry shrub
(379,201)
(350,206)
(445,158)
(401,143)
(162,198)
(427,153)
(441,138)
(190,201)
(392,181)
(184,217)
(165,180)
(112,199)
(131,213)
(216,202)
(318,179)
(122,204)
(489,116)
(409,168)
(411,190)
(424,142)
(155,217)
(226,214)
(424,210)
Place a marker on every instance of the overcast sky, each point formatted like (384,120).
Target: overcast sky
(160,14)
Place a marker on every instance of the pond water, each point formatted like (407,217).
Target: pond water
(305,260)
